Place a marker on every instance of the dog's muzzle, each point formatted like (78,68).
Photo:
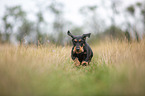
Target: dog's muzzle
(77,49)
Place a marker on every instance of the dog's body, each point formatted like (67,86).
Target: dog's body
(81,52)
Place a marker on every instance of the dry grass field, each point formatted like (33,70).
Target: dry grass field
(117,68)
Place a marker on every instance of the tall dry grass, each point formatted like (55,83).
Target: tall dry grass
(117,68)
(126,62)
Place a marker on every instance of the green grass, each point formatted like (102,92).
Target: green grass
(117,68)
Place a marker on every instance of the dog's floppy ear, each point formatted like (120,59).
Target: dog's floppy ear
(70,34)
(86,35)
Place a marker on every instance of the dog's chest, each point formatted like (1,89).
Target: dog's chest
(81,57)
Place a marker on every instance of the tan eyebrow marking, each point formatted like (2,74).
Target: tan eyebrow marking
(75,40)
(80,39)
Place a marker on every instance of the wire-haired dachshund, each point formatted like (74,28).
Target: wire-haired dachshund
(81,52)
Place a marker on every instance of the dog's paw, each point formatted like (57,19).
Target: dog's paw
(84,63)
(77,62)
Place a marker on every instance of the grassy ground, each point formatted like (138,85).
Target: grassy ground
(117,68)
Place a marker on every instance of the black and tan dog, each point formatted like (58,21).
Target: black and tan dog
(81,52)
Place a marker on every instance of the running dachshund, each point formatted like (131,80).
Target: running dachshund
(81,52)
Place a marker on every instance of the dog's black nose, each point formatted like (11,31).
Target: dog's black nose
(77,48)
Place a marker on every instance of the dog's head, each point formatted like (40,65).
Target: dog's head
(78,42)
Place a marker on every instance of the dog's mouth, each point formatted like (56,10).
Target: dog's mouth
(78,50)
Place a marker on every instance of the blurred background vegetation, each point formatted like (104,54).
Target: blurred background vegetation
(17,28)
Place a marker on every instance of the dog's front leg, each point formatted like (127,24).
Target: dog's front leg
(84,63)
(76,61)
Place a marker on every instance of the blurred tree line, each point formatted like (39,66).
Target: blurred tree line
(17,28)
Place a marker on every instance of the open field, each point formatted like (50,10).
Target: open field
(117,68)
